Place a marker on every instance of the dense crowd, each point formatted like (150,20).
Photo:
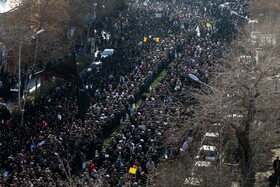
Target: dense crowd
(39,148)
(7,81)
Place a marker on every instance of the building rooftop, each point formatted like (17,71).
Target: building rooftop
(5,6)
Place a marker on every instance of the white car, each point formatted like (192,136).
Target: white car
(94,65)
(192,181)
(195,180)
(202,164)
(210,138)
(107,52)
(207,153)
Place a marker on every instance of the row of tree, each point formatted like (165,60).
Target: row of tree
(65,23)
(246,103)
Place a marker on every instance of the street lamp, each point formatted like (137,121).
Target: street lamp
(250,21)
(19,63)
(225,5)
(196,79)
(232,12)
(38,32)
(235,13)
(276,78)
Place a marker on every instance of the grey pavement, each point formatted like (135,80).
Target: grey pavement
(29,88)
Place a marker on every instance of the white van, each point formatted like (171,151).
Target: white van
(107,52)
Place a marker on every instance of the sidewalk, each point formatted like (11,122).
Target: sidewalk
(30,87)
(84,62)
(10,104)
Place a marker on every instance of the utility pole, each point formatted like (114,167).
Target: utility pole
(19,64)
(19,73)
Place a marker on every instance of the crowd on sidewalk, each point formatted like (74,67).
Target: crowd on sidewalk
(49,137)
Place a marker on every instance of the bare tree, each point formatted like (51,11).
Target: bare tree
(27,18)
(244,100)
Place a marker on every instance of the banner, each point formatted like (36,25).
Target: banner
(157,39)
(145,39)
(208,24)
(65,70)
(132,170)
(197,31)
(68,70)
(83,100)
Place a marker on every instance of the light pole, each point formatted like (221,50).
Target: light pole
(196,79)
(36,51)
(250,21)
(276,78)
(232,12)
(19,64)
(252,27)
(235,13)
(19,73)
(225,5)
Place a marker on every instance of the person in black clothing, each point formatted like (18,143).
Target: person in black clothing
(4,112)
(272,180)
(276,167)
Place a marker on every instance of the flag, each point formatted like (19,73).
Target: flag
(132,170)
(157,39)
(145,39)
(68,70)
(65,70)
(83,99)
(197,31)
(208,24)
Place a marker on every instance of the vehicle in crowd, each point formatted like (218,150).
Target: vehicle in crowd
(207,153)
(107,52)
(194,180)
(94,66)
(210,138)
(202,163)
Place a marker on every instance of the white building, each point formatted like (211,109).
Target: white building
(6,5)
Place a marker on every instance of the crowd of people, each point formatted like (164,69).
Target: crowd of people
(49,143)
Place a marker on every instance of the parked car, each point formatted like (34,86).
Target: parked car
(195,180)
(107,52)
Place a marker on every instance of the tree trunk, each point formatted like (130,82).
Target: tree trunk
(247,167)
(248,171)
